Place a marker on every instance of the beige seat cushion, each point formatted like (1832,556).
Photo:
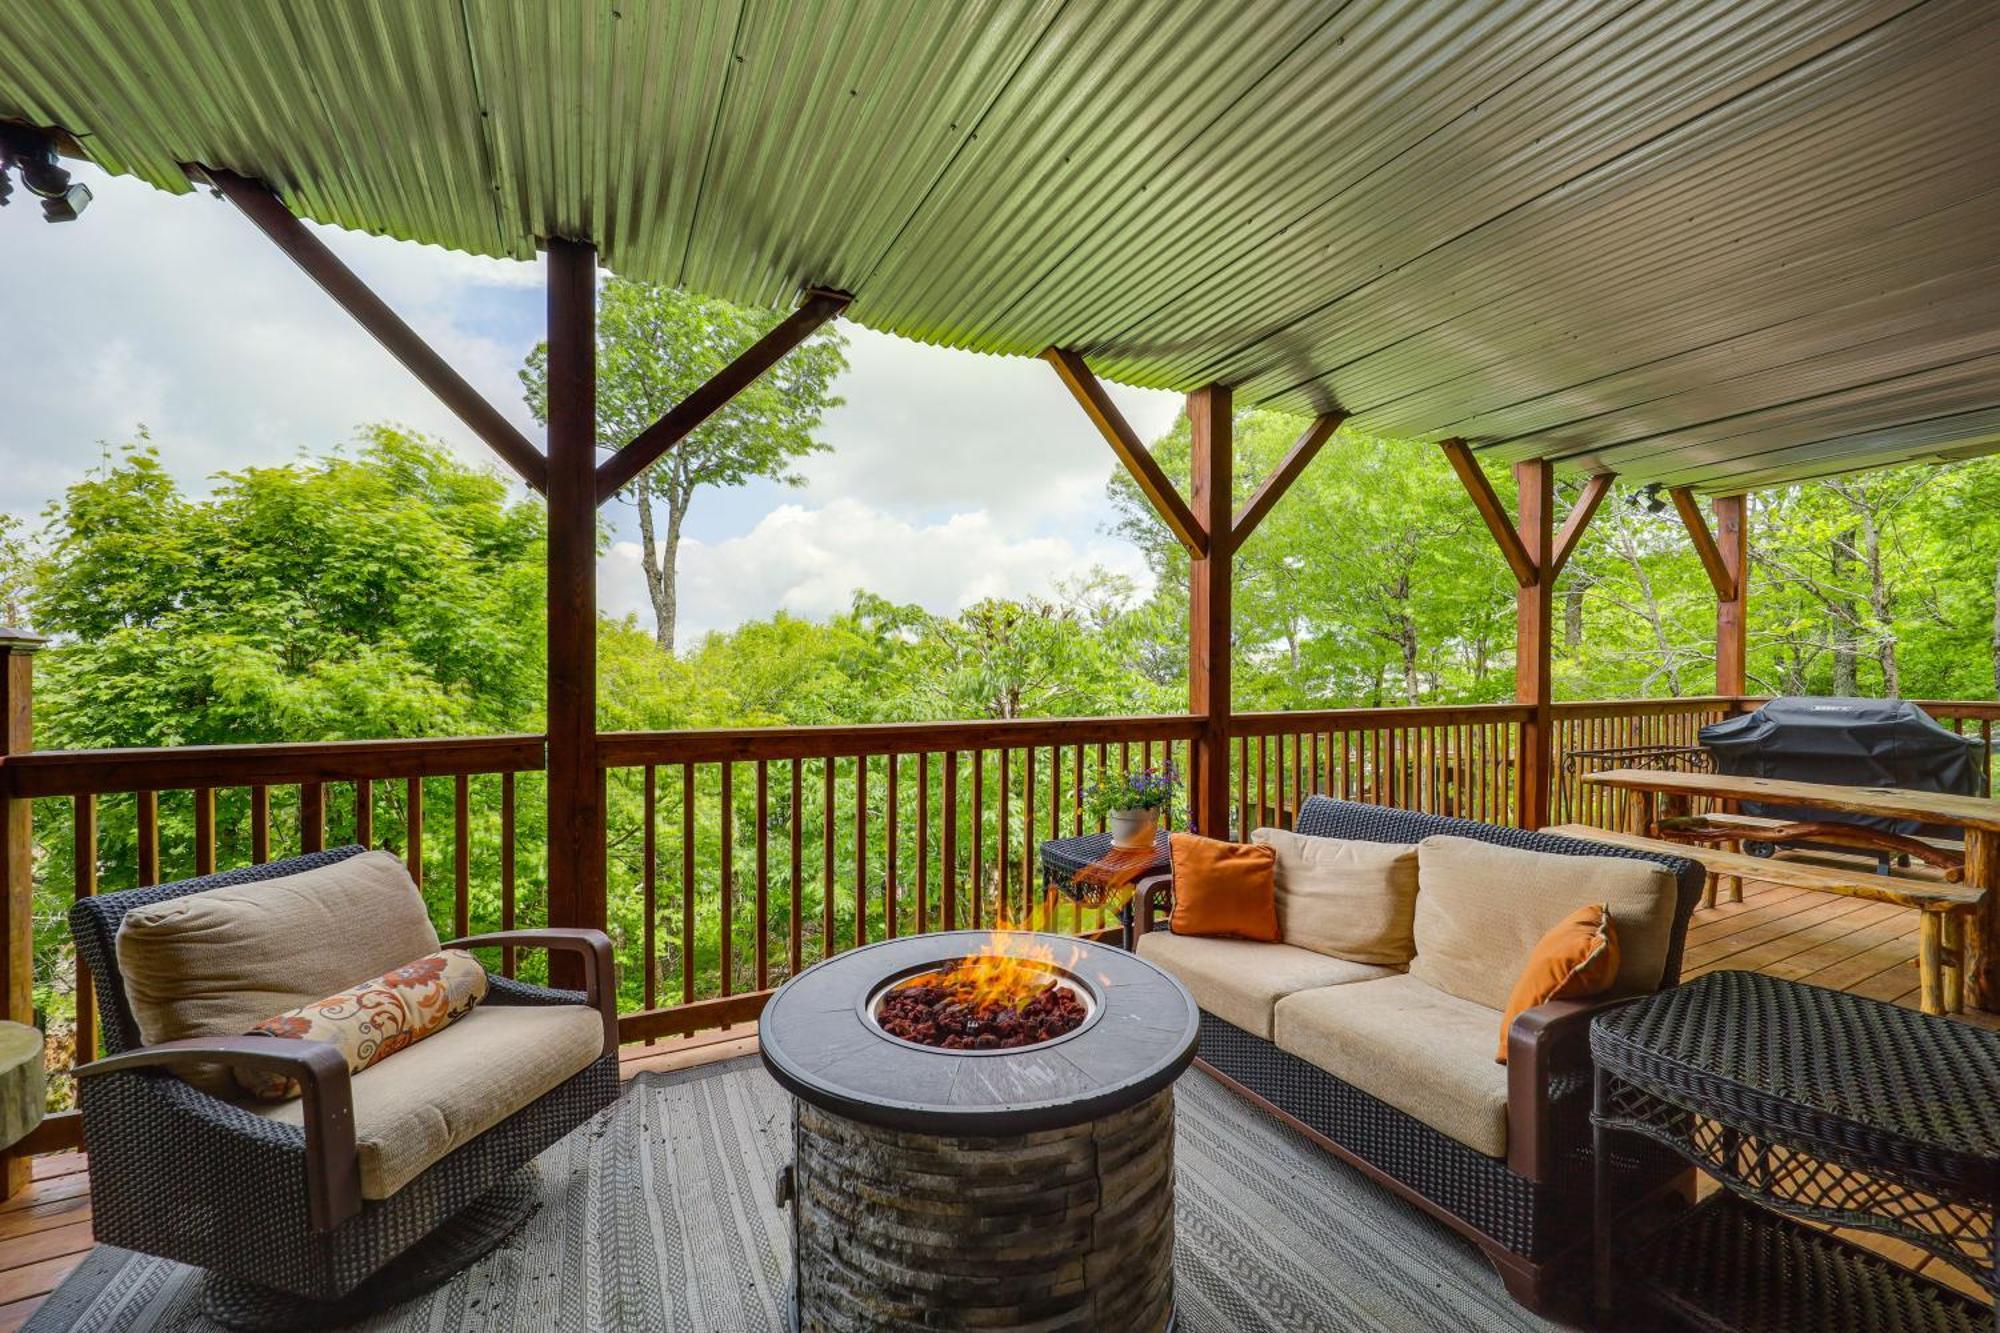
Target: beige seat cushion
(1346,898)
(1481,908)
(440,1094)
(1240,980)
(217,963)
(1426,1053)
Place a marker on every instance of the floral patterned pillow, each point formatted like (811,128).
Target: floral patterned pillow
(374,1020)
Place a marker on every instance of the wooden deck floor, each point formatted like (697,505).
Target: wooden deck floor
(1867,948)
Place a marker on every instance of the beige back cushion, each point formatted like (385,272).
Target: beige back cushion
(217,963)
(1346,899)
(1481,908)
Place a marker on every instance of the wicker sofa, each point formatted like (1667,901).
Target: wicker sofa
(1502,1153)
(373,1185)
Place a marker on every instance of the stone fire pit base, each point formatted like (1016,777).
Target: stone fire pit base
(1059,1229)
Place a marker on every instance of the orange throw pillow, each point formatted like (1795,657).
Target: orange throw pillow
(1578,958)
(1224,888)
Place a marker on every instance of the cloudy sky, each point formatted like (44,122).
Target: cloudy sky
(951,477)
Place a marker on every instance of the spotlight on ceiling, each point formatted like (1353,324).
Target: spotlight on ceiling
(1650,499)
(32,154)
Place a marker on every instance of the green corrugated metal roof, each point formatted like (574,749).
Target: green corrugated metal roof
(1724,243)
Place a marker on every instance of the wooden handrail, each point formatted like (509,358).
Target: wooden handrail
(1348,719)
(631,749)
(179,767)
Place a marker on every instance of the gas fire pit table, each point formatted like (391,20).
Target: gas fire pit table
(935,1188)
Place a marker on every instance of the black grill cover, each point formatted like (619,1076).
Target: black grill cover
(1850,743)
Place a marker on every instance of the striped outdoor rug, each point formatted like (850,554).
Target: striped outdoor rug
(658,1215)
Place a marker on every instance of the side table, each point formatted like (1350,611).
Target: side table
(1810,1103)
(1091,872)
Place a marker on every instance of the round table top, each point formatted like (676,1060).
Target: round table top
(817,1044)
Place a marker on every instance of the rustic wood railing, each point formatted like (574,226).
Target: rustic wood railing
(798,843)
(735,858)
(1970,719)
(134,817)
(1448,761)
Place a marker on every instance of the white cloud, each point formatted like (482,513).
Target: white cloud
(951,476)
(810,562)
(172,312)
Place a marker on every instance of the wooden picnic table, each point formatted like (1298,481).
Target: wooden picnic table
(1652,795)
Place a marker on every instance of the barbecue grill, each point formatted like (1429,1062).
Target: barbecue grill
(1851,743)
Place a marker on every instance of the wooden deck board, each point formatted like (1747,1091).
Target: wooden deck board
(1844,943)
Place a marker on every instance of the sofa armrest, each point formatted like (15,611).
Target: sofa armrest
(1545,1043)
(333,1172)
(1147,895)
(600,989)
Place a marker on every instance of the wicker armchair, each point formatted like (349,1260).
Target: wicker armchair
(276,1211)
(1530,1210)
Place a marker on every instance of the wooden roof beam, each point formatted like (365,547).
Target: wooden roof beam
(1489,507)
(259,203)
(1579,518)
(1282,476)
(649,445)
(1719,573)
(1138,460)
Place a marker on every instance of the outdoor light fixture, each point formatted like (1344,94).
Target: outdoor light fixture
(1650,499)
(32,153)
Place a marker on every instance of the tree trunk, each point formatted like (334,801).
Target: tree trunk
(659,560)
(1846,649)
(1881,601)
(1407,641)
(1996,630)
(1573,615)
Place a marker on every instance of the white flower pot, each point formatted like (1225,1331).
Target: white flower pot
(1134,828)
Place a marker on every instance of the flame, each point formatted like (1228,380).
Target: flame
(1009,969)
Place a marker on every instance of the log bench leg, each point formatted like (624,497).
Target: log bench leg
(1734,883)
(1954,962)
(1930,961)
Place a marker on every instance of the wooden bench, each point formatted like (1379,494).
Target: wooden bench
(1943,909)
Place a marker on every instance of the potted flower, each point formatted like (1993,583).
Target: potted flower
(1131,803)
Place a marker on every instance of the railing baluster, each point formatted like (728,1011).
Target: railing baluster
(312,817)
(1242,791)
(860,850)
(84,851)
(413,828)
(923,840)
(687,883)
(364,812)
(978,837)
(826,867)
(204,830)
(795,924)
(728,878)
(1003,865)
(461,853)
(649,883)
(260,825)
(948,851)
(506,862)
(891,894)
(762,951)
(1027,913)
(148,825)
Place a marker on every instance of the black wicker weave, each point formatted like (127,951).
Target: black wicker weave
(1832,1106)
(177,1173)
(1525,1224)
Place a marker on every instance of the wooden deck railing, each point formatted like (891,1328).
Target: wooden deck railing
(797,843)
(735,858)
(1448,761)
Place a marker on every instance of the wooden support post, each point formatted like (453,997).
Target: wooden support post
(17,857)
(1535,481)
(575,792)
(1732,656)
(1212,463)
(1982,933)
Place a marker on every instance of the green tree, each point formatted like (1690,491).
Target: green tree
(655,346)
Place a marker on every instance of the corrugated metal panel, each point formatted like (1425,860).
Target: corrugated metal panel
(1718,242)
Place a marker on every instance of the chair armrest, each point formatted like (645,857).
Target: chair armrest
(1544,1043)
(1146,896)
(333,1172)
(600,990)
